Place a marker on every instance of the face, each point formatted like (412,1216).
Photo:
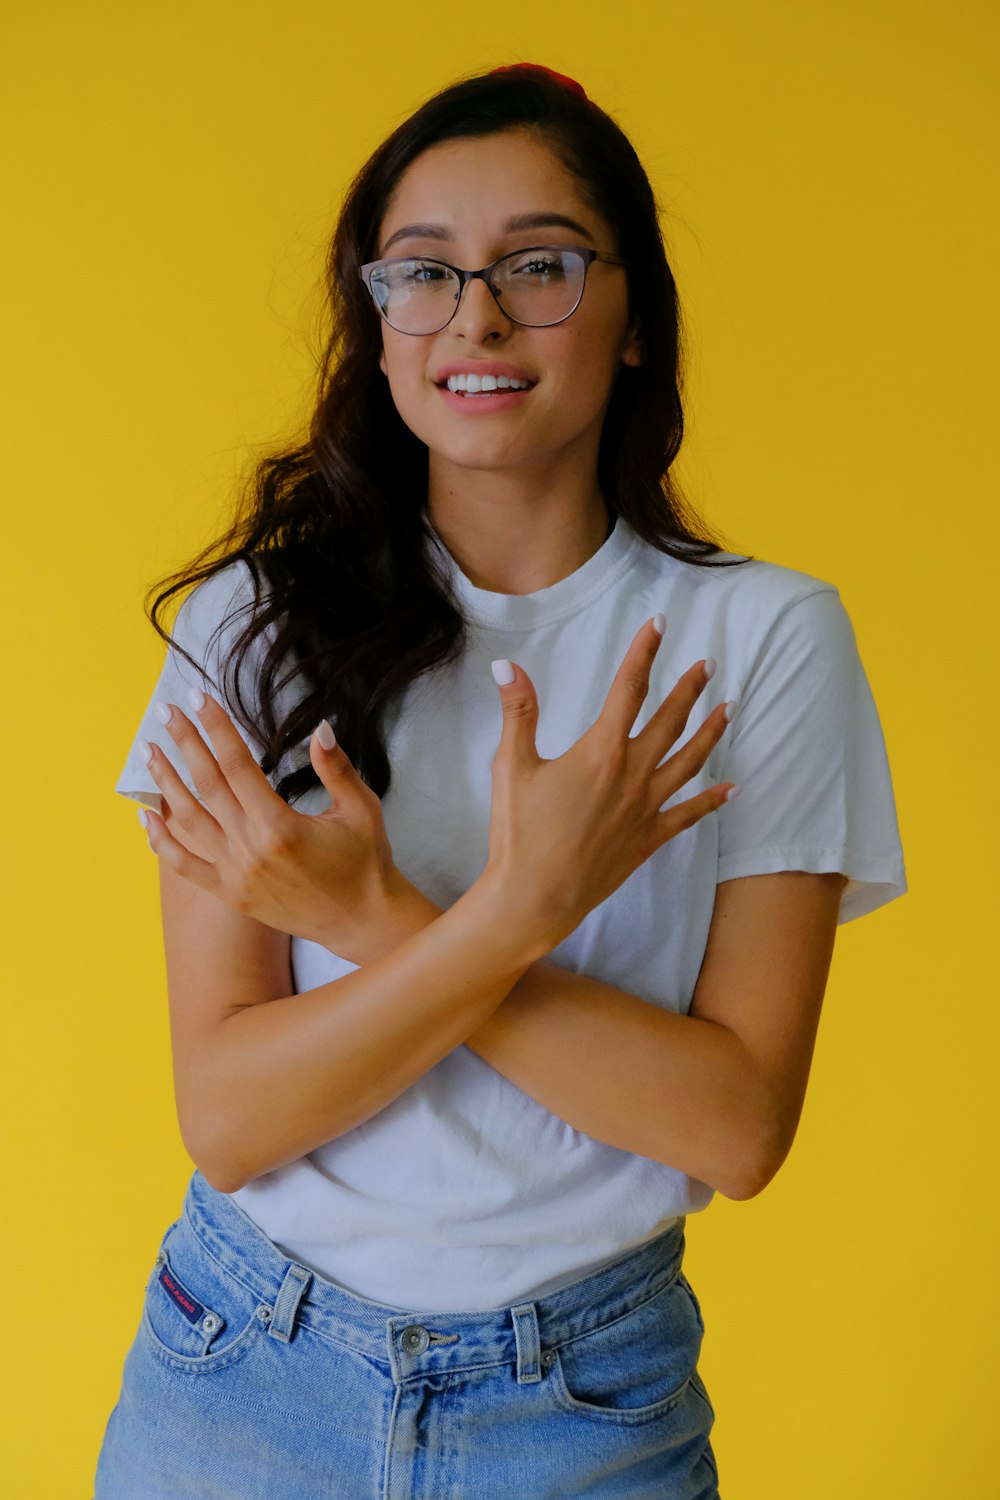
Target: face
(468,191)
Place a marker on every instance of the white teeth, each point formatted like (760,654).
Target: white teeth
(474,384)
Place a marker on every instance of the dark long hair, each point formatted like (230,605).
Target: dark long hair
(332,529)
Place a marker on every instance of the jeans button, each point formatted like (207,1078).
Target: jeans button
(414,1339)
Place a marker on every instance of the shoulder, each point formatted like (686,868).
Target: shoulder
(214,632)
(213,618)
(216,610)
(743,598)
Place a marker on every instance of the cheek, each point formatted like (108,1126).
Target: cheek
(406,373)
(399,368)
(589,363)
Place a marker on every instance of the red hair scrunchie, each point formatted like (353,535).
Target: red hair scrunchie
(567,83)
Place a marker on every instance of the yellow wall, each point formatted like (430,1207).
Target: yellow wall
(174,173)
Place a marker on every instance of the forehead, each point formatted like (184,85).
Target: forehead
(474,186)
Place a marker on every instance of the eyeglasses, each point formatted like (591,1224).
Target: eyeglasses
(536,287)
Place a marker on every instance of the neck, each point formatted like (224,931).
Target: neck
(510,539)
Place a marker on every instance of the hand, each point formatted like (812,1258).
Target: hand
(565,833)
(319,876)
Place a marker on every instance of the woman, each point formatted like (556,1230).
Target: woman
(471,1004)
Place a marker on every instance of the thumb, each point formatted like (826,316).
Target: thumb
(330,762)
(520,711)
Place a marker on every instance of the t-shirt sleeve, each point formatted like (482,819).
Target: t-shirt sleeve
(809,756)
(208,623)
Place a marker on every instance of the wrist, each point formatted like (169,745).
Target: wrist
(521,927)
(396,912)
(405,911)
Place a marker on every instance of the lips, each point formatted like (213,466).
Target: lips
(482,367)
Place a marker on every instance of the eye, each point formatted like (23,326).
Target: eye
(426,270)
(409,272)
(538,265)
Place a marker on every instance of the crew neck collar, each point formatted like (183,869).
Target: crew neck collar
(545,606)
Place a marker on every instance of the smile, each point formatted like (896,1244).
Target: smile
(474,385)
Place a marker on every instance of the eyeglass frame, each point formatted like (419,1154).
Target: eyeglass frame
(588,254)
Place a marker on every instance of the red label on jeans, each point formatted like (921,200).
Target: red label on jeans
(189,1306)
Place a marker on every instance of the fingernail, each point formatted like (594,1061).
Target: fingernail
(146,751)
(730,709)
(659,623)
(325,735)
(503,672)
(733,792)
(163,712)
(144,818)
(196,700)
(710,666)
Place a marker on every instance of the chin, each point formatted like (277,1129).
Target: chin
(476,450)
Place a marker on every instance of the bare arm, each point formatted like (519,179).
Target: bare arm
(716,1093)
(263,1076)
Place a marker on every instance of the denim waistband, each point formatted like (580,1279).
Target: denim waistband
(409,1340)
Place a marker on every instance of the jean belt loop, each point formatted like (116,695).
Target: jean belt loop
(293,1288)
(529,1349)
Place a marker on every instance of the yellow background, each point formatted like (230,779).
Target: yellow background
(174,173)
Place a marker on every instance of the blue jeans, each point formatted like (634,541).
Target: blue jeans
(254,1378)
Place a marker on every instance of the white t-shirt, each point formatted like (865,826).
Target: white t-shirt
(464,1193)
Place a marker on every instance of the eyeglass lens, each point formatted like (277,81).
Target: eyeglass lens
(536,287)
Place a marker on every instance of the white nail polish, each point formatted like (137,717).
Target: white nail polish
(163,712)
(325,735)
(730,709)
(710,666)
(503,672)
(732,794)
(144,818)
(659,623)
(196,700)
(146,751)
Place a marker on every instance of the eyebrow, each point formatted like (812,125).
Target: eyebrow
(520,221)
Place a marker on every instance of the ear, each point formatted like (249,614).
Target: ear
(632,350)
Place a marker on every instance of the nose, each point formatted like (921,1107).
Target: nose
(479,315)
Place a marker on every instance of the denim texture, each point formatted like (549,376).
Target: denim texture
(254,1378)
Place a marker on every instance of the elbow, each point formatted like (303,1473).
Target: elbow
(223,1181)
(760,1154)
(217,1165)
(224,1176)
(749,1185)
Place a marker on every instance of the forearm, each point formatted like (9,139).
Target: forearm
(676,1088)
(272,1081)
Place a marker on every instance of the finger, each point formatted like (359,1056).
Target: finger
(631,683)
(519,704)
(229,781)
(189,841)
(178,803)
(332,764)
(163,844)
(692,755)
(674,821)
(666,725)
